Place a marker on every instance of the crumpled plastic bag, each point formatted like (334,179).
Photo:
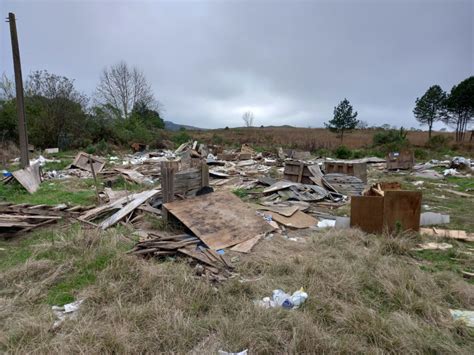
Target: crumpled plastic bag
(68,311)
(282,299)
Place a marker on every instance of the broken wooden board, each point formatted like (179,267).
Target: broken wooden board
(82,161)
(280,185)
(29,178)
(132,175)
(448,233)
(298,220)
(246,247)
(131,206)
(286,211)
(219,219)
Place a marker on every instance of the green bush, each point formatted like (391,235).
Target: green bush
(438,142)
(181,137)
(391,140)
(342,152)
(421,154)
(216,139)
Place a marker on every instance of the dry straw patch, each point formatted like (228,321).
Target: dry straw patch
(367,294)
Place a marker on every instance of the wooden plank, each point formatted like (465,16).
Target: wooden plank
(137,201)
(29,178)
(298,220)
(448,233)
(280,185)
(286,211)
(219,219)
(246,247)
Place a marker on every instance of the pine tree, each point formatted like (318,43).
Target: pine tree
(430,107)
(344,119)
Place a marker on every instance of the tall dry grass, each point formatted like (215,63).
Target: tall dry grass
(367,294)
(305,138)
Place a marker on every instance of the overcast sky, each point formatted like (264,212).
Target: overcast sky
(290,62)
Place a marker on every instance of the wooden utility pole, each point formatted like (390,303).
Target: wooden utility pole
(20,103)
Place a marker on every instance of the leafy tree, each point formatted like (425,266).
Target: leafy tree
(460,107)
(344,119)
(55,110)
(151,118)
(430,107)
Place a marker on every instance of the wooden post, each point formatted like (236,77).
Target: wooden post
(168,170)
(20,104)
(204,174)
(300,173)
(95,179)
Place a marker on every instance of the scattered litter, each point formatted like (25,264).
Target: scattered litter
(327,223)
(68,311)
(450,172)
(281,299)
(467,317)
(432,218)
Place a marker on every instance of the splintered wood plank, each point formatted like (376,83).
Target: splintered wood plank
(29,178)
(137,201)
(219,219)
(297,220)
(448,233)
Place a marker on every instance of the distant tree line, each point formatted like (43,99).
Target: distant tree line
(122,109)
(456,108)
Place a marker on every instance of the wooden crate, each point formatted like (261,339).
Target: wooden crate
(403,160)
(357,169)
(397,209)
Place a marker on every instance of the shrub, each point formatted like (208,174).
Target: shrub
(216,139)
(342,152)
(181,137)
(421,154)
(391,140)
(438,142)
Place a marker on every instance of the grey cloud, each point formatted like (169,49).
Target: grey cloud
(290,62)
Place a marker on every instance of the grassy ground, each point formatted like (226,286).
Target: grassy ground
(366,294)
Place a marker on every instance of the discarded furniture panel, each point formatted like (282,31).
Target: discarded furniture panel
(51,150)
(396,209)
(345,184)
(367,213)
(84,161)
(297,171)
(219,219)
(29,177)
(358,169)
(403,160)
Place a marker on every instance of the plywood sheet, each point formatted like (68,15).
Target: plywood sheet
(219,219)
(29,178)
(367,213)
(298,220)
(402,208)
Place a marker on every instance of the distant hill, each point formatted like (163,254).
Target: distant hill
(171,126)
